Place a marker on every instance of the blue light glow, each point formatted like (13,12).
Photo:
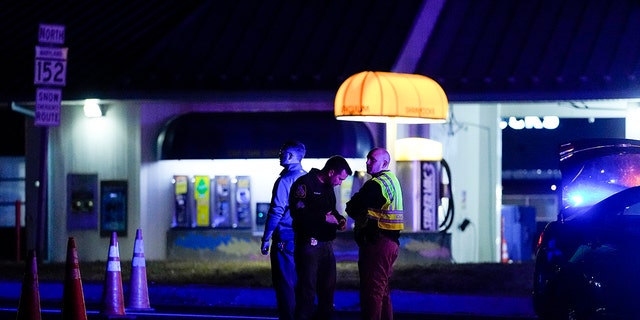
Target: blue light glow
(576,200)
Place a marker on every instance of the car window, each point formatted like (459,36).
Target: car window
(592,180)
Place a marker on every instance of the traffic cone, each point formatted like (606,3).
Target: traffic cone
(503,246)
(29,306)
(138,289)
(112,295)
(73,307)
(505,251)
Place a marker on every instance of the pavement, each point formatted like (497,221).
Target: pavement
(203,296)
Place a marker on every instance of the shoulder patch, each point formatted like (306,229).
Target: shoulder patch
(301,191)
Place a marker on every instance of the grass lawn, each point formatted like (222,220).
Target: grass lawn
(513,279)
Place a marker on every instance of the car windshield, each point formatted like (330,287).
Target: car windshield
(596,179)
(594,170)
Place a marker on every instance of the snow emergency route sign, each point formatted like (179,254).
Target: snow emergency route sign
(50,74)
(48,106)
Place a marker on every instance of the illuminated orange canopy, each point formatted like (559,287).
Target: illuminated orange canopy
(374,96)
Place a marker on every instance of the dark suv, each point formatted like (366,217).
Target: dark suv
(588,260)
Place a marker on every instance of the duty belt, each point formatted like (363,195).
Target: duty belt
(314,242)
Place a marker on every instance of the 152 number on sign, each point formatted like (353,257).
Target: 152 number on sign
(50,72)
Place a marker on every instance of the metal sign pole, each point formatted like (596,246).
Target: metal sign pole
(41,217)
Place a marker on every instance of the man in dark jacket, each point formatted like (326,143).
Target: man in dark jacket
(378,214)
(315,221)
(278,228)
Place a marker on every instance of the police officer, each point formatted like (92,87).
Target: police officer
(377,211)
(315,220)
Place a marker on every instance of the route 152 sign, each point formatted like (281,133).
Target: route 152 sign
(50,66)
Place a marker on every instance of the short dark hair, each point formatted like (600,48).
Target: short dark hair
(296,147)
(337,163)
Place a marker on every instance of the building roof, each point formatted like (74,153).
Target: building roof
(488,50)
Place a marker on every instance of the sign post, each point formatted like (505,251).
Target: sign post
(49,76)
(50,72)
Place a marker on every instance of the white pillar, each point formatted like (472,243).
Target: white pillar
(391,137)
(632,129)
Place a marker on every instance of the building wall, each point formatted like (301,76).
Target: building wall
(471,148)
(122,146)
(109,147)
(156,193)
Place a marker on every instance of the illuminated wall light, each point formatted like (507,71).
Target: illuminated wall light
(92,108)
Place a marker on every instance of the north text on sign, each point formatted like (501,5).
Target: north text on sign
(51,33)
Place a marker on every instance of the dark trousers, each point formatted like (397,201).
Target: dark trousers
(283,275)
(316,269)
(375,265)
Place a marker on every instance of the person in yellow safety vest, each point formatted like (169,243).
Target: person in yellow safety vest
(377,211)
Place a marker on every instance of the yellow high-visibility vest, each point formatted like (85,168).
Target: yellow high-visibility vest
(391,215)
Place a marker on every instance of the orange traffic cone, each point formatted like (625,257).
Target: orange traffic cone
(505,251)
(112,295)
(73,307)
(139,292)
(29,306)
(503,246)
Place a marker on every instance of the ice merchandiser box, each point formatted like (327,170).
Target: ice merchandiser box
(419,172)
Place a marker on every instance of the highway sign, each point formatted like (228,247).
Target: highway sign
(50,66)
(51,33)
(48,105)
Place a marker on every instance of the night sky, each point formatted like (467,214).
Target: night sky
(12,132)
(538,148)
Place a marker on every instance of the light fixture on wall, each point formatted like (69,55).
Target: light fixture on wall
(92,108)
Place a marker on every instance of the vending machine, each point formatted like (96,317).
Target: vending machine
(201,188)
(242,204)
(221,202)
(181,214)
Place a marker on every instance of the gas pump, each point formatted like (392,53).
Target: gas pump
(426,185)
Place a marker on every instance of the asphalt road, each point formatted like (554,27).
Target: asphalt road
(208,302)
(237,313)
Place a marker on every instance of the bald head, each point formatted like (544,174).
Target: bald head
(377,160)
